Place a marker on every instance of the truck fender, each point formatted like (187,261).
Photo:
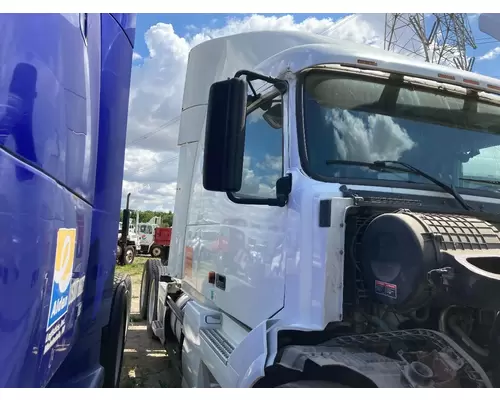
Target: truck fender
(248,367)
(253,373)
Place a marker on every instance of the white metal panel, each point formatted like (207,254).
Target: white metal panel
(490,24)
(192,124)
(220,58)
(186,162)
(254,288)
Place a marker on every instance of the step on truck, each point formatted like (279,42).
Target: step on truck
(355,197)
(64,93)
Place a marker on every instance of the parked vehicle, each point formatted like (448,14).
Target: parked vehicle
(369,182)
(147,235)
(161,245)
(65,88)
(128,248)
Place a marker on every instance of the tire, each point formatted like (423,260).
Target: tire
(144,293)
(118,252)
(129,256)
(154,278)
(165,251)
(155,251)
(115,333)
(312,384)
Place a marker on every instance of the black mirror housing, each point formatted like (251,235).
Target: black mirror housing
(225,136)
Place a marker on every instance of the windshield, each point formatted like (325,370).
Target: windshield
(147,229)
(453,138)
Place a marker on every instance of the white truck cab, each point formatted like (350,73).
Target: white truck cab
(133,244)
(147,235)
(336,219)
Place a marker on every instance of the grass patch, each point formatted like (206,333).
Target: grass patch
(134,269)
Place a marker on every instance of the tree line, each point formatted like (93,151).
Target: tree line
(167,218)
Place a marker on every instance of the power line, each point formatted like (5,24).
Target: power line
(490,42)
(149,134)
(155,131)
(167,161)
(337,24)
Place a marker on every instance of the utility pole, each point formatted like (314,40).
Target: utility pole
(445,43)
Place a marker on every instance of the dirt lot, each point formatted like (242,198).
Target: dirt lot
(145,362)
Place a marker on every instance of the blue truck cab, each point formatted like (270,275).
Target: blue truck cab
(64,91)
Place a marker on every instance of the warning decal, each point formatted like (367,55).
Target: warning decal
(386,289)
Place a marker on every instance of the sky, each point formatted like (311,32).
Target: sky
(162,46)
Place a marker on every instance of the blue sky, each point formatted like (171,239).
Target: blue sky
(158,83)
(183,23)
(186,24)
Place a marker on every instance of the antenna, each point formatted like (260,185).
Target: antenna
(446,41)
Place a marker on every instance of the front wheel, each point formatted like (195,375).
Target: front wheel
(118,252)
(154,278)
(129,255)
(144,293)
(155,251)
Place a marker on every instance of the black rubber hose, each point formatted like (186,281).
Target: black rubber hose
(452,322)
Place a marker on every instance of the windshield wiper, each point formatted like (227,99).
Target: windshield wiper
(385,165)
(447,188)
(480,181)
(370,165)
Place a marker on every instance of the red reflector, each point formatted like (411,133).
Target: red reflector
(494,87)
(367,62)
(444,76)
(471,82)
(211,277)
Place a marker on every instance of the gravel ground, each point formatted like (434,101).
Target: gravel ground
(145,362)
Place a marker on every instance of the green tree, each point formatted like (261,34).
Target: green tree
(167,218)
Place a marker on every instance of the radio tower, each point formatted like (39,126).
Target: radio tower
(445,43)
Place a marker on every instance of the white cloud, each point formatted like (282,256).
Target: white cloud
(136,56)
(378,138)
(491,55)
(156,94)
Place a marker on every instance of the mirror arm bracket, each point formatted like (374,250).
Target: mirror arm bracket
(283,190)
(279,84)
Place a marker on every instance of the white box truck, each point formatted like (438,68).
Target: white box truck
(336,220)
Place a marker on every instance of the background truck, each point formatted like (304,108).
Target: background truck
(146,232)
(154,239)
(161,246)
(359,233)
(128,245)
(64,89)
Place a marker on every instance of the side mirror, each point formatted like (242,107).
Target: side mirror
(225,136)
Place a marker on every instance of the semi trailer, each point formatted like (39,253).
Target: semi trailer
(353,196)
(64,92)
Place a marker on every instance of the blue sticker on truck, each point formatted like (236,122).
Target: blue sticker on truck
(61,285)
